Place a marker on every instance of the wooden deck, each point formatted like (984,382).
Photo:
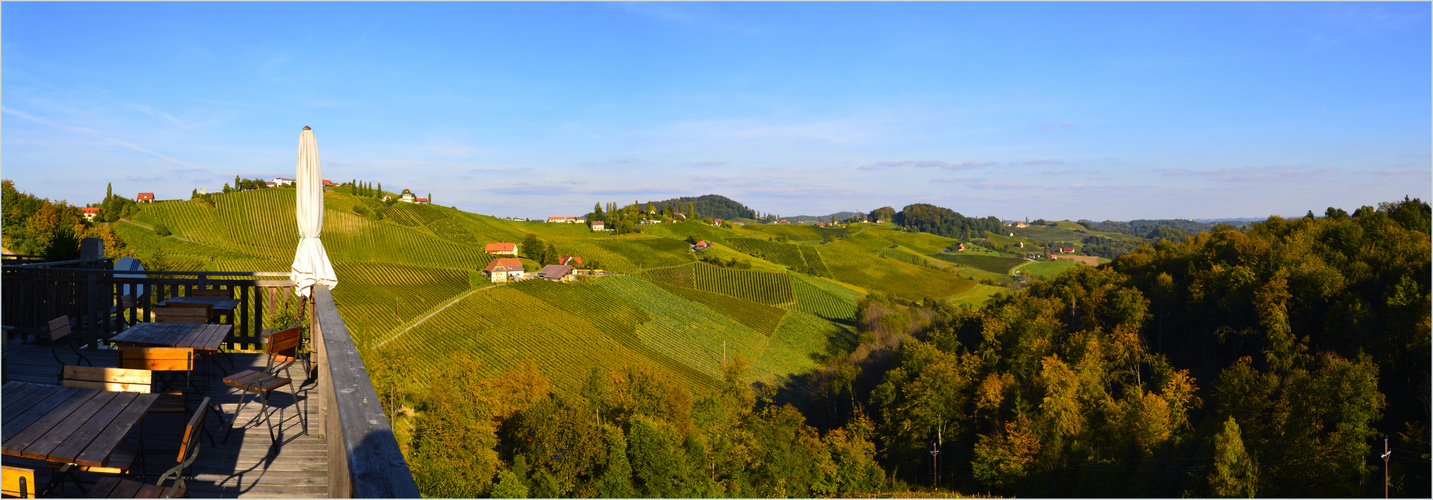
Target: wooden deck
(249,464)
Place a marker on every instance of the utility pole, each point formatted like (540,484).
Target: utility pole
(934,481)
(1386,453)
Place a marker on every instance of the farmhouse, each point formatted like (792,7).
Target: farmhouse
(501,248)
(407,197)
(145,198)
(961,246)
(329,183)
(716,222)
(556,272)
(501,270)
(557,220)
(598,225)
(701,246)
(90,212)
(1067,250)
(570,260)
(421,201)
(281,181)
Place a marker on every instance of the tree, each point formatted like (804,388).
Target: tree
(532,246)
(1235,474)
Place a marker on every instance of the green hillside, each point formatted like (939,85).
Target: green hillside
(409,283)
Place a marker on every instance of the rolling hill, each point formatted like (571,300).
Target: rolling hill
(409,281)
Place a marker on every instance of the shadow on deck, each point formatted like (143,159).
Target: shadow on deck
(249,464)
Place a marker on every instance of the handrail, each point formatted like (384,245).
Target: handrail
(364,460)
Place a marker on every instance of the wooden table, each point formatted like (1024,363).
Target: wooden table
(198,336)
(68,425)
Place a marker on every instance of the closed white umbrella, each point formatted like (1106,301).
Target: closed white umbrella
(311,266)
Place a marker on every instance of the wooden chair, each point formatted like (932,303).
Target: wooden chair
(264,382)
(183,313)
(116,487)
(17,482)
(60,334)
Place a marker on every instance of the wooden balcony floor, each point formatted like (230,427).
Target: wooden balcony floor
(249,464)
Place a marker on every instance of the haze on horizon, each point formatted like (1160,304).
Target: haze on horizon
(1058,111)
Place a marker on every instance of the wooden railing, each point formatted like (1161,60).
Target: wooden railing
(88,291)
(364,460)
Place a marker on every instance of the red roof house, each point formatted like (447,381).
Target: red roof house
(149,197)
(90,212)
(570,260)
(497,248)
(501,270)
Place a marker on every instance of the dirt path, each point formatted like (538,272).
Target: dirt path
(432,312)
(1016,268)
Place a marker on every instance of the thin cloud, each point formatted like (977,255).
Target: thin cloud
(1039,163)
(625,160)
(508,170)
(527,189)
(1272,173)
(958,180)
(1056,172)
(946,165)
(709,163)
(92,133)
(642,189)
(1402,171)
(1000,185)
(575,181)
(1415,155)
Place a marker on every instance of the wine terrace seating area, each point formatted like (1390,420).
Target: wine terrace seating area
(347,451)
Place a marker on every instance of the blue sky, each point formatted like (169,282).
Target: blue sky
(1058,111)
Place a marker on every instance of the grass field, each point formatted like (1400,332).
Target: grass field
(987,263)
(853,264)
(1048,268)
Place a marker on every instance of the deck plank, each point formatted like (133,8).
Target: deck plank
(249,464)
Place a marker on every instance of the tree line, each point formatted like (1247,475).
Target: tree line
(1266,361)
(38,226)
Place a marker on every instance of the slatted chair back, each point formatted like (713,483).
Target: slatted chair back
(189,446)
(213,293)
(283,346)
(183,313)
(17,482)
(106,379)
(59,329)
(61,333)
(160,359)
